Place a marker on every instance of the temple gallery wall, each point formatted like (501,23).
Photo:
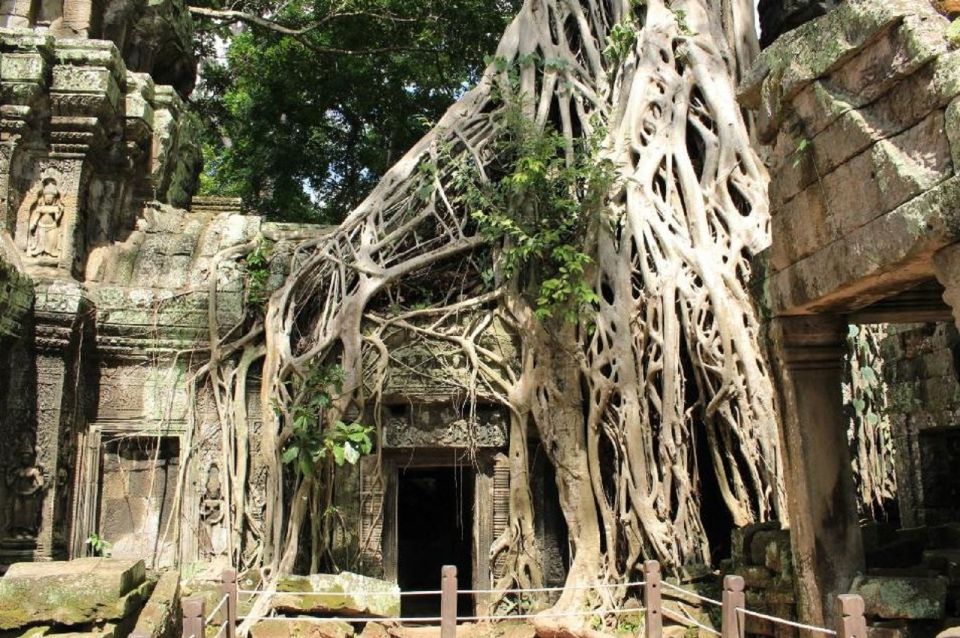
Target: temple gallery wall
(107,263)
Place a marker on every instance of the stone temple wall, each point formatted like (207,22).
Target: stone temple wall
(104,282)
(107,271)
(924,408)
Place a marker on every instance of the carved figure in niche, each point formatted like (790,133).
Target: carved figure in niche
(46,214)
(211,508)
(25,485)
(213,539)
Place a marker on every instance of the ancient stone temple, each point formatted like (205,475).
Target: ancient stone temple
(106,270)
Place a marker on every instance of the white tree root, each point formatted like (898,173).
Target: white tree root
(671,352)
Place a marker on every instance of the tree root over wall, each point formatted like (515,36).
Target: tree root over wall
(668,352)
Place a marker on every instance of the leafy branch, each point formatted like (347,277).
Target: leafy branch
(540,209)
(310,444)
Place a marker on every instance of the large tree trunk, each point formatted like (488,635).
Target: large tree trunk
(670,351)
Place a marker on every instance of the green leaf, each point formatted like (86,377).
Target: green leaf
(306,467)
(339,453)
(350,453)
(290,454)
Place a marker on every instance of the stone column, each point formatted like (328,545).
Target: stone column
(825,535)
(60,307)
(946,265)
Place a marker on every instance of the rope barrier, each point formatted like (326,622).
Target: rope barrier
(694,594)
(425,592)
(568,614)
(347,619)
(547,589)
(437,592)
(783,621)
(494,618)
(216,609)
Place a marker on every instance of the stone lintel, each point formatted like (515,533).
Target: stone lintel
(890,254)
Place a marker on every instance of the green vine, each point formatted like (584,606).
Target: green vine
(98,545)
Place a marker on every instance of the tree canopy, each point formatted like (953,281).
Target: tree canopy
(308,102)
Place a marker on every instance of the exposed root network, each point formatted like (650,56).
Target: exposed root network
(667,350)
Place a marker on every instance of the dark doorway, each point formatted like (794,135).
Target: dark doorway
(434,528)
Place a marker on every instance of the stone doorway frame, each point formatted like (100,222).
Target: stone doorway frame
(483,467)
(86,503)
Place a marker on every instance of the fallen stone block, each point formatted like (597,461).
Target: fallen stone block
(345,593)
(72,592)
(301,628)
(161,616)
(913,598)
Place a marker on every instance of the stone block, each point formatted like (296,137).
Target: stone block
(374,630)
(756,577)
(71,592)
(344,593)
(90,79)
(821,47)
(951,127)
(762,541)
(946,536)
(878,180)
(161,616)
(906,597)
(742,538)
(888,255)
(301,628)
(938,363)
(22,67)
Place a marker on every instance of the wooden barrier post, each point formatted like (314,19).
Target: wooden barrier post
(653,626)
(850,620)
(228,588)
(733,599)
(448,601)
(194,618)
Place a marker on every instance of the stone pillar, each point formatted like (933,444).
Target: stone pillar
(825,535)
(946,265)
(26,59)
(59,311)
